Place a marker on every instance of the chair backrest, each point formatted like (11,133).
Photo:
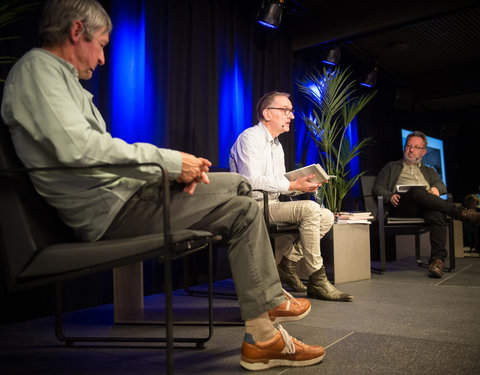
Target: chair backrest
(27,222)
(369,200)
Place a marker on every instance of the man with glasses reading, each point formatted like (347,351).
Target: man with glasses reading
(423,200)
(258,155)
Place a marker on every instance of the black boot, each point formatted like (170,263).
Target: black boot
(319,287)
(287,270)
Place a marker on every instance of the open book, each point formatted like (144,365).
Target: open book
(405,188)
(316,169)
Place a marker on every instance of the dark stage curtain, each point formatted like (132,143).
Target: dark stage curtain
(206,64)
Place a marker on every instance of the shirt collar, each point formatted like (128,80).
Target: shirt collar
(419,164)
(64,62)
(269,137)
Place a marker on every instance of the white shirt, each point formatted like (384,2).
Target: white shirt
(260,158)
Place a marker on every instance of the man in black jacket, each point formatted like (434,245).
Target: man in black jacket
(422,201)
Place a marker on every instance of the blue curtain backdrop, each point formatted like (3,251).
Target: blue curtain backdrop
(186,75)
(235,110)
(130,73)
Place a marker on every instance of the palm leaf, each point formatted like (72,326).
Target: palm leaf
(334,105)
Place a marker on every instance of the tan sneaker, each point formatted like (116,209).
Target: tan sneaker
(282,350)
(292,309)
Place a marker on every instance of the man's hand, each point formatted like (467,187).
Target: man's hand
(394,199)
(434,191)
(303,184)
(194,170)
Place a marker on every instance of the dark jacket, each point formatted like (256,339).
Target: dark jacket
(388,176)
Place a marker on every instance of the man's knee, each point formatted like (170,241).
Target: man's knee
(237,184)
(328,218)
(417,192)
(313,209)
(246,206)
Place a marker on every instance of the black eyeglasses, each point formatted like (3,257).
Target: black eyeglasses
(287,111)
(414,148)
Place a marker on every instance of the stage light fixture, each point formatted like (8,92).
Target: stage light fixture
(270,14)
(333,56)
(371,79)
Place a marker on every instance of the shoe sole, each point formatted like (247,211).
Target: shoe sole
(296,290)
(316,296)
(290,285)
(280,319)
(269,363)
(435,275)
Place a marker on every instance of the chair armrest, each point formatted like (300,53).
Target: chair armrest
(380,207)
(63,167)
(266,213)
(165,182)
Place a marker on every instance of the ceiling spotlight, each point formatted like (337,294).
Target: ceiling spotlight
(333,56)
(270,14)
(371,79)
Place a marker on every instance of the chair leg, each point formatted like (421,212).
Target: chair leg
(381,237)
(451,245)
(168,339)
(58,315)
(418,258)
(169,311)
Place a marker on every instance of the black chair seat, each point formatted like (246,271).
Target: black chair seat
(282,228)
(68,257)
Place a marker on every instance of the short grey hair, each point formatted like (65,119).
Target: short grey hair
(419,134)
(266,101)
(59,15)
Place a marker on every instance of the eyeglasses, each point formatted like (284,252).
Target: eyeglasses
(414,148)
(287,111)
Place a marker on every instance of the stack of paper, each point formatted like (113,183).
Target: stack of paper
(405,188)
(353,217)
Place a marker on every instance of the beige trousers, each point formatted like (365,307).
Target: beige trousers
(314,223)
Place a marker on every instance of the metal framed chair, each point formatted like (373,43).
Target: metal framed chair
(385,224)
(37,248)
(275,229)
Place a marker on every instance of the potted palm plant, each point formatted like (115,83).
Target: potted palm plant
(334,103)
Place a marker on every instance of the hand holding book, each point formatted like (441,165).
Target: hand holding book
(319,174)
(304,184)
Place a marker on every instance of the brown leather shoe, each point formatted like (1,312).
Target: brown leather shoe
(436,268)
(282,350)
(292,309)
(471,217)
